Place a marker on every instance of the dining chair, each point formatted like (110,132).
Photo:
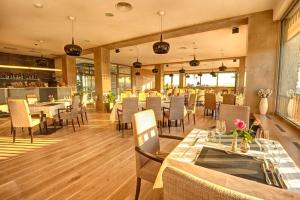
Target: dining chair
(70,112)
(147,147)
(129,107)
(31,99)
(154,103)
(229,99)
(229,113)
(21,117)
(82,107)
(181,184)
(210,104)
(142,96)
(191,106)
(175,112)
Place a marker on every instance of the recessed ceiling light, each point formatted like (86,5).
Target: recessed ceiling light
(38,5)
(161,13)
(124,6)
(10,48)
(182,48)
(72,18)
(109,14)
(87,40)
(130,49)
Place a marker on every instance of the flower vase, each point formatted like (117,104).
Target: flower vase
(234,144)
(244,146)
(290,108)
(263,106)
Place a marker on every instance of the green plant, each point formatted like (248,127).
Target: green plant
(110,97)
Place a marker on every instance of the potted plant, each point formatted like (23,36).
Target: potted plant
(290,107)
(241,131)
(263,104)
(109,100)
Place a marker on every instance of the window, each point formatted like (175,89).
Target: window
(171,81)
(193,80)
(226,79)
(288,92)
(120,78)
(208,80)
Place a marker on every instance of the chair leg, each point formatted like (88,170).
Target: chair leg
(169,125)
(40,128)
(188,116)
(123,129)
(194,118)
(30,133)
(73,125)
(160,127)
(138,188)
(182,124)
(11,128)
(82,118)
(14,134)
(78,122)
(86,116)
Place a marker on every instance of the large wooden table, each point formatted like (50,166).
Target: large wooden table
(183,156)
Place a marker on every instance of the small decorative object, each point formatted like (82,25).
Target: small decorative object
(51,98)
(291,104)
(263,104)
(161,47)
(241,131)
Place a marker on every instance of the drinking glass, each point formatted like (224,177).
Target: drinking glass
(220,128)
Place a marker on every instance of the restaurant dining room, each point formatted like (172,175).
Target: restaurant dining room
(150,100)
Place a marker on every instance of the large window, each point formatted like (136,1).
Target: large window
(171,81)
(288,95)
(226,79)
(120,78)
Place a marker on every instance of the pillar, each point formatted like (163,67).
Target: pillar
(181,80)
(102,75)
(159,77)
(68,66)
(261,60)
(241,75)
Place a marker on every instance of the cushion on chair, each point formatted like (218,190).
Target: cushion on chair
(35,121)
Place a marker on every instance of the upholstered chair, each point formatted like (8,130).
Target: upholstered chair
(129,107)
(147,148)
(175,112)
(231,112)
(154,103)
(31,99)
(71,112)
(142,96)
(21,117)
(229,99)
(82,107)
(191,106)
(210,104)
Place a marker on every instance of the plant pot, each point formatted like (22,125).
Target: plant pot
(244,146)
(263,106)
(290,108)
(234,144)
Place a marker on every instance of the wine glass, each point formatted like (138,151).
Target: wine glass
(220,128)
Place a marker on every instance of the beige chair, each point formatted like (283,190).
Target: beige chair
(210,104)
(83,108)
(70,113)
(21,117)
(191,107)
(147,148)
(175,112)
(231,112)
(179,184)
(31,99)
(129,107)
(154,103)
(229,99)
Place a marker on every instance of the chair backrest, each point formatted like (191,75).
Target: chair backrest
(84,99)
(19,112)
(31,99)
(231,112)
(192,102)
(210,101)
(129,107)
(145,135)
(177,108)
(154,103)
(229,99)
(75,105)
(179,184)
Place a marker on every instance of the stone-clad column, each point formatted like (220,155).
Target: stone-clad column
(159,77)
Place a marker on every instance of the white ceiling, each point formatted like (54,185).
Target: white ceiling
(21,24)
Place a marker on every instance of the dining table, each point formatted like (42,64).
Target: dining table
(206,149)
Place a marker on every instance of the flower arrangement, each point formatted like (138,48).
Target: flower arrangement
(290,93)
(264,93)
(51,98)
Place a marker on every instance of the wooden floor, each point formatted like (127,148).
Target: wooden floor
(95,162)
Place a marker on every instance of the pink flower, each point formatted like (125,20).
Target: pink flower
(240,124)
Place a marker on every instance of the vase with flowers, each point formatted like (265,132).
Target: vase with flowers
(264,94)
(244,133)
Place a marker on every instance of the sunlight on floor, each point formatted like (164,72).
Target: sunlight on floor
(9,149)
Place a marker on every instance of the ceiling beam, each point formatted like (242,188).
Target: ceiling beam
(187,30)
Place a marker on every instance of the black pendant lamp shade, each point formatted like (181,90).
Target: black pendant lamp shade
(137,64)
(187,76)
(73,49)
(222,68)
(194,62)
(43,62)
(182,71)
(161,47)
(213,74)
(154,70)
(171,75)
(200,74)
(137,73)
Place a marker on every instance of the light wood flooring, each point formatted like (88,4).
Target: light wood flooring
(94,162)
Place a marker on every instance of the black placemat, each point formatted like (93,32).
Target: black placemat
(52,104)
(231,163)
